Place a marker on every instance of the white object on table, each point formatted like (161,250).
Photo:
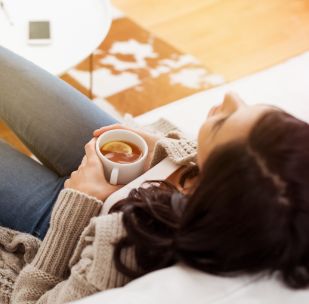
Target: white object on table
(78,28)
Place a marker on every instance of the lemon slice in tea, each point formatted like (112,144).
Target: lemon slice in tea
(117,147)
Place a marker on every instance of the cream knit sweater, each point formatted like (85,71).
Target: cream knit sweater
(72,261)
(75,259)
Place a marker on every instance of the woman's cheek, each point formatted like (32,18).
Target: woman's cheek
(202,144)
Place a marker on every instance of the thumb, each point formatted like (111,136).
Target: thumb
(90,149)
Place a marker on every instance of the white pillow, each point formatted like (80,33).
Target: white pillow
(183,285)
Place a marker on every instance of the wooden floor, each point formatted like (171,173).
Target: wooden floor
(231,37)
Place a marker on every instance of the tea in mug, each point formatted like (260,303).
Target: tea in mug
(121,152)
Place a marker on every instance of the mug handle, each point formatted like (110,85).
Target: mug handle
(114,176)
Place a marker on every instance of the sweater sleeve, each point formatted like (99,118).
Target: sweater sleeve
(174,145)
(36,282)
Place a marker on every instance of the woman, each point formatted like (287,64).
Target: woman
(246,210)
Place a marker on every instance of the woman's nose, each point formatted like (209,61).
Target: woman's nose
(231,103)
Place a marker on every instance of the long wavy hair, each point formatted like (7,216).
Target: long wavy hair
(249,212)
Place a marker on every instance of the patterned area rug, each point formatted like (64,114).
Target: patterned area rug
(136,72)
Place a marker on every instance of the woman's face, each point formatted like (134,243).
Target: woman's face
(231,120)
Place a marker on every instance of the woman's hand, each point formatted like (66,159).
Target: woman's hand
(150,139)
(89,178)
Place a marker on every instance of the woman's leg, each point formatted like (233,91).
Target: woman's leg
(53,119)
(28,191)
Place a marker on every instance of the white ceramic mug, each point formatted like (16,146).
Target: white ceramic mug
(117,173)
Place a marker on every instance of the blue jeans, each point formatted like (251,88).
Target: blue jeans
(54,121)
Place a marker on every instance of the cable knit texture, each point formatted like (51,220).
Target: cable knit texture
(16,249)
(173,144)
(75,259)
(179,149)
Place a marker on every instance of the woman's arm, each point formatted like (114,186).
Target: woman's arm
(47,279)
(92,266)
(179,149)
(71,214)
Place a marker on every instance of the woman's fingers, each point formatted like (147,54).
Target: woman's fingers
(91,153)
(90,148)
(98,132)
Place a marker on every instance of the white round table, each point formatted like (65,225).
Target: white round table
(77,29)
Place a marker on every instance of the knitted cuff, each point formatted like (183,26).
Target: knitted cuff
(71,214)
(180,151)
(163,126)
(109,230)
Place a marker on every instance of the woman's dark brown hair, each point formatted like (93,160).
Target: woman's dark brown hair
(248,214)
